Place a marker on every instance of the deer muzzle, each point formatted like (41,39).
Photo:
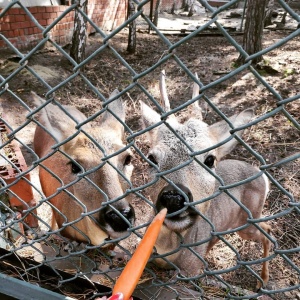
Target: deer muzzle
(174,199)
(118,218)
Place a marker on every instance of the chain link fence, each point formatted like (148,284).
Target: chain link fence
(38,253)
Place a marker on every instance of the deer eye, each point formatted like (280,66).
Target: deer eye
(152,159)
(128,160)
(75,167)
(210,161)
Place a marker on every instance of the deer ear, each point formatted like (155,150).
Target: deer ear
(220,131)
(117,108)
(149,117)
(55,119)
(196,110)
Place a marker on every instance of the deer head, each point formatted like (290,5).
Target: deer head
(173,152)
(81,177)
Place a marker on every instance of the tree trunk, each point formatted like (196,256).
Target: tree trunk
(269,13)
(77,51)
(188,5)
(254,25)
(173,8)
(156,12)
(132,29)
(191,11)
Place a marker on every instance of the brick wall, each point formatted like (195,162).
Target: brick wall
(22,32)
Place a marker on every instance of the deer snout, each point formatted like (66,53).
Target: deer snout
(173,199)
(119,219)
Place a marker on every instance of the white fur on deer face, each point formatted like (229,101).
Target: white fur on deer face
(192,182)
(81,166)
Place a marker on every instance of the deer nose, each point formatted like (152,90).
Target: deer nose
(119,221)
(173,199)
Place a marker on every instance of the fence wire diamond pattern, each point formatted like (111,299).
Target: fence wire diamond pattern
(45,255)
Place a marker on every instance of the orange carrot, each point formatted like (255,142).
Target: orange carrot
(132,272)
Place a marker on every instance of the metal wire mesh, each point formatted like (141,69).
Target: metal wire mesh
(67,262)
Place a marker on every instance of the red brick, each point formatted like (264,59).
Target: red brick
(22,11)
(20,18)
(13,11)
(38,16)
(43,22)
(41,9)
(16,11)
(27,18)
(15,25)
(2,44)
(30,30)
(53,15)
(10,34)
(16,32)
(24,24)
(4,27)
(5,19)
(46,16)
(31,24)
(12,19)
(56,8)
(33,9)
(36,30)
(49,9)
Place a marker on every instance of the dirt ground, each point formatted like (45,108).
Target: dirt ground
(211,57)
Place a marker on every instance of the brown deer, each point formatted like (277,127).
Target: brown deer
(196,206)
(85,189)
